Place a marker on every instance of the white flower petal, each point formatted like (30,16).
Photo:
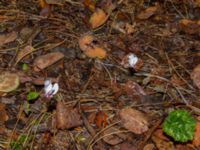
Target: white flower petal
(55,88)
(132,59)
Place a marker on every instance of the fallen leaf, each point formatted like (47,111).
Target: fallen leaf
(90,4)
(123,27)
(113,139)
(88,46)
(134,89)
(98,18)
(4,116)
(24,52)
(197,3)
(7,38)
(8,82)
(149,147)
(190,26)
(46,60)
(96,52)
(147,13)
(162,144)
(196,140)
(134,120)
(195,76)
(127,146)
(66,117)
(101,119)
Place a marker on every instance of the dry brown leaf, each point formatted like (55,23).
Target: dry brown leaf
(134,120)
(162,144)
(134,89)
(46,60)
(46,8)
(196,140)
(147,13)
(24,52)
(66,117)
(195,76)
(90,49)
(7,38)
(190,26)
(113,139)
(8,81)
(4,116)
(149,147)
(127,146)
(98,18)
(197,3)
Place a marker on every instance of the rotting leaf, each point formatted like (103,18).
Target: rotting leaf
(7,38)
(88,46)
(8,82)
(44,61)
(147,13)
(67,117)
(98,18)
(134,120)
(24,52)
(195,76)
(3,113)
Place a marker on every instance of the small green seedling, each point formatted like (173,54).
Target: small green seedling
(180,125)
(32,96)
(25,67)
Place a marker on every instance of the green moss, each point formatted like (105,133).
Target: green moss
(180,125)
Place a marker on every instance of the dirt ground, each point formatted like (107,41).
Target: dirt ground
(97,74)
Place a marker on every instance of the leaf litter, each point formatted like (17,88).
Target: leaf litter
(97,74)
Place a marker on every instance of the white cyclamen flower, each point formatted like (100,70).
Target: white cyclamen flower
(50,89)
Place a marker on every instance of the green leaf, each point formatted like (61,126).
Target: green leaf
(32,96)
(180,125)
(25,67)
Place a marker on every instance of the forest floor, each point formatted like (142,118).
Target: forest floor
(98,74)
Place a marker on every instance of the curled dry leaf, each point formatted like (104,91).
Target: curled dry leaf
(195,76)
(113,139)
(147,13)
(46,60)
(87,45)
(162,144)
(134,120)
(24,52)
(66,117)
(98,18)
(7,38)
(8,82)
(190,26)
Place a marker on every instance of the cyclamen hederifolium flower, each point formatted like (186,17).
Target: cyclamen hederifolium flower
(50,89)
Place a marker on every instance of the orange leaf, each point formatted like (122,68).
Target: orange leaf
(147,13)
(98,18)
(90,49)
(90,4)
(196,140)
(101,119)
